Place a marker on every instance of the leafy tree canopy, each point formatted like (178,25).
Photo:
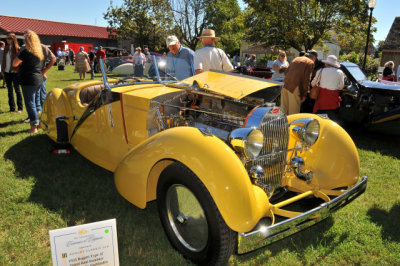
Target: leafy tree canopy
(301,24)
(144,21)
(184,18)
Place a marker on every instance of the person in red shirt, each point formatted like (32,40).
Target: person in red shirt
(100,54)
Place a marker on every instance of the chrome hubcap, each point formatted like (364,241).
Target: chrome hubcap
(187,218)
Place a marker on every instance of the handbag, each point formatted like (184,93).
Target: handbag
(314,92)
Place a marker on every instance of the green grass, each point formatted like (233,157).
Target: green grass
(40,191)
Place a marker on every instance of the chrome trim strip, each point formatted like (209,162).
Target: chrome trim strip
(265,235)
(257,116)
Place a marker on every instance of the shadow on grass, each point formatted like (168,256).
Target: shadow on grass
(389,221)
(12,133)
(298,243)
(374,141)
(82,192)
(10,123)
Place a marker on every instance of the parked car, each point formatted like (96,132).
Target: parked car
(375,105)
(257,71)
(223,163)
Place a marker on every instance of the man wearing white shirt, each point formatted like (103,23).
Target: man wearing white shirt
(210,57)
(139,59)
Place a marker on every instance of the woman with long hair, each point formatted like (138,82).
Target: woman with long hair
(30,59)
(11,73)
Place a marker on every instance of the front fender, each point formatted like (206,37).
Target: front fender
(240,203)
(333,158)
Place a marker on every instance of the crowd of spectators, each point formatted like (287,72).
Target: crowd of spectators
(27,68)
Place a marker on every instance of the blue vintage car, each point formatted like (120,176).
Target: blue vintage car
(373,104)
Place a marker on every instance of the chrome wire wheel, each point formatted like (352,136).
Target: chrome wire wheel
(187,218)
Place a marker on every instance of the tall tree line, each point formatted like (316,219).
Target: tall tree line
(300,24)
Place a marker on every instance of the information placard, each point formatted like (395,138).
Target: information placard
(86,244)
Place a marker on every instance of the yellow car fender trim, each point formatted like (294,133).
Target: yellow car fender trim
(333,158)
(54,106)
(239,202)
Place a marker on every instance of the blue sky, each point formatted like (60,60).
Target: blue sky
(91,12)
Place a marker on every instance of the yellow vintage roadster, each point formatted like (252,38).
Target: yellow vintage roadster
(229,170)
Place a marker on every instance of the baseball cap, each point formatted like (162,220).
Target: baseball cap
(171,40)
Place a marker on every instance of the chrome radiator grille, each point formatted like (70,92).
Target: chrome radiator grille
(272,158)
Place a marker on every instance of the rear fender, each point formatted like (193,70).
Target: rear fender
(55,105)
(240,203)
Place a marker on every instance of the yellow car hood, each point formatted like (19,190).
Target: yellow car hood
(233,85)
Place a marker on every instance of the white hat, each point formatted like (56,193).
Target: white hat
(332,61)
(172,40)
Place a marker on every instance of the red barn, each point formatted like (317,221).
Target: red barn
(56,32)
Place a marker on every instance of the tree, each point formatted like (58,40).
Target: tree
(134,20)
(184,18)
(228,24)
(190,18)
(302,23)
(351,29)
(371,66)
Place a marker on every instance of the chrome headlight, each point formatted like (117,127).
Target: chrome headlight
(306,130)
(248,141)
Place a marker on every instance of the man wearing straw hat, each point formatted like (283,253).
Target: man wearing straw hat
(210,57)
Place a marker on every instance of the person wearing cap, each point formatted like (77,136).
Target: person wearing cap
(210,57)
(296,83)
(139,59)
(331,81)
(100,54)
(179,59)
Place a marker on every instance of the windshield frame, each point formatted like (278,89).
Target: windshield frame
(356,72)
(158,65)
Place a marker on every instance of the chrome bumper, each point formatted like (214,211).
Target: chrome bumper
(265,235)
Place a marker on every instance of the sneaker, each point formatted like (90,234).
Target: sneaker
(19,111)
(27,120)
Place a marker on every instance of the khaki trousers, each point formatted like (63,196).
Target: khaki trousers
(290,102)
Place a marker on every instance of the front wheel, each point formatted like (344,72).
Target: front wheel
(191,219)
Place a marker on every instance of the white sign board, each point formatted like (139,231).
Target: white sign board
(86,244)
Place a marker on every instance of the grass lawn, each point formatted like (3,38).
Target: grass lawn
(40,191)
